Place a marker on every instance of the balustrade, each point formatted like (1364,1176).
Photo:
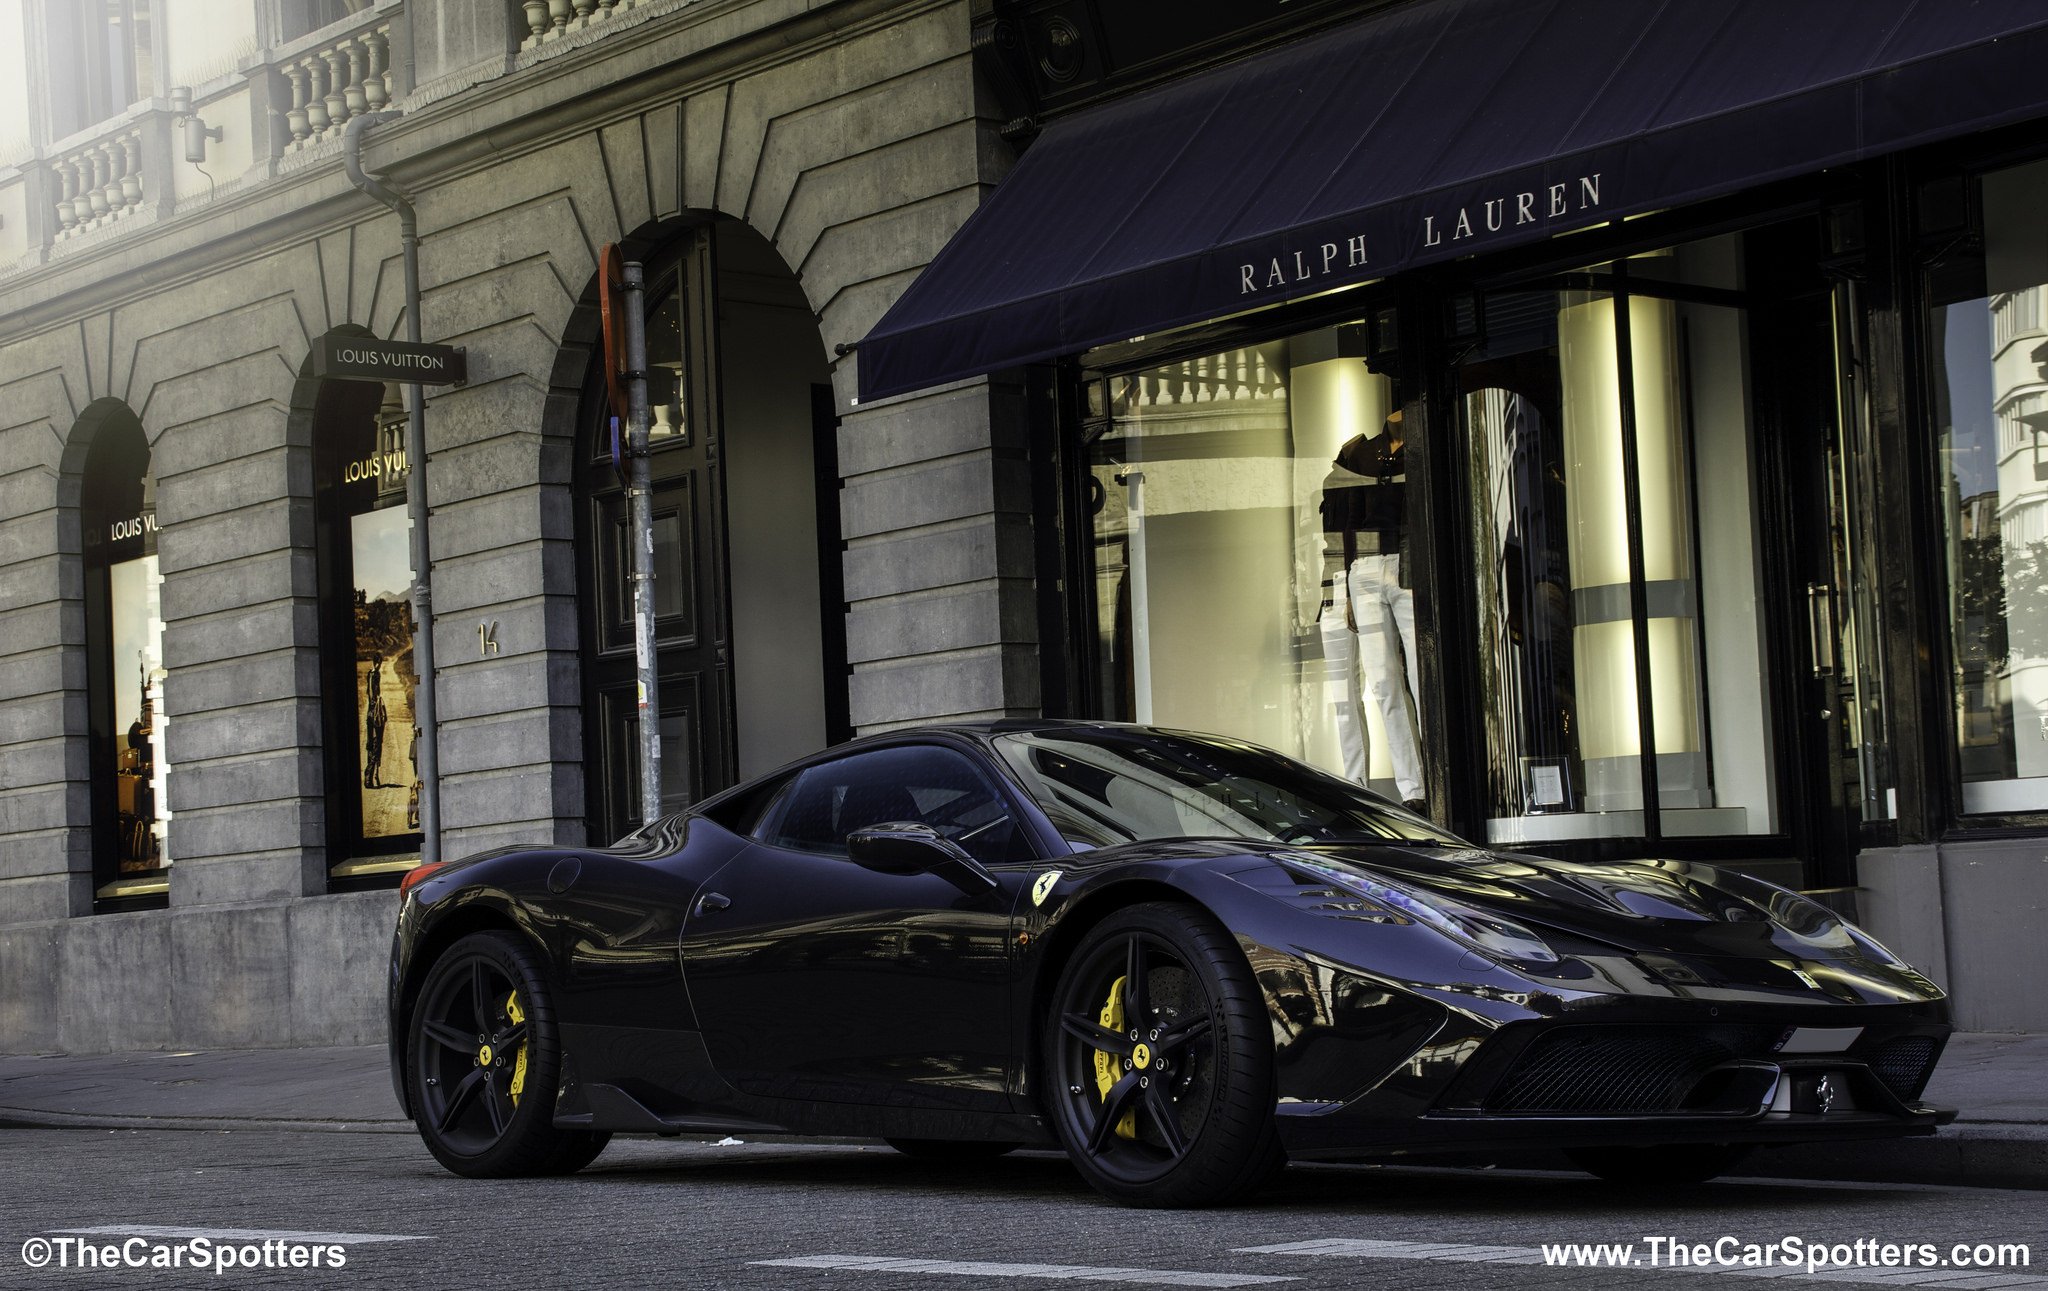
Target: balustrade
(98,183)
(548,20)
(332,83)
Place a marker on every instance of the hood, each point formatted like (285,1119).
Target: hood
(1656,907)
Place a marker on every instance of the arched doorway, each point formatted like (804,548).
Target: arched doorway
(124,644)
(749,627)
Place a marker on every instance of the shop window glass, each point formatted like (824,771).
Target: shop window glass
(1990,405)
(366,540)
(1251,543)
(125,634)
(1601,394)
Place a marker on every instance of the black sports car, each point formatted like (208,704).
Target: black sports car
(1181,958)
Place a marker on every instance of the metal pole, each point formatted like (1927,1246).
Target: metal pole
(424,708)
(640,499)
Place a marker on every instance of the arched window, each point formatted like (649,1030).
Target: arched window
(363,537)
(125,660)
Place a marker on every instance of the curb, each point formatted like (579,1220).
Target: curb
(27,1118)
(1989,1154)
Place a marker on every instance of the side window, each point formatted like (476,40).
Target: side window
(933,786)
(746,813)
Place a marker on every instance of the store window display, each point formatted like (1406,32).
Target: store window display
(1250,542)
(1368,622)
(368,677)
(125,660)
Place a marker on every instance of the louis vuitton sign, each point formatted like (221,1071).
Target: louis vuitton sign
(364,358)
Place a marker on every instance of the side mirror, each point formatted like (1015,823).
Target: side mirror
(907,847)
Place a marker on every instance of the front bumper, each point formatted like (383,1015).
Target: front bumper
(1639,1076)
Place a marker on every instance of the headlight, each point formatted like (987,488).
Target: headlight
(1817,931)
(1488,933)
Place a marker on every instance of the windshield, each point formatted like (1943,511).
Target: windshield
(1104,785)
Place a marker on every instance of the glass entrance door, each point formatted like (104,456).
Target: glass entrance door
(1614,524)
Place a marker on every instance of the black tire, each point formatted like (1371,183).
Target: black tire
(951,1149)
(1671,1163)
(1197,1081)
(495,1120)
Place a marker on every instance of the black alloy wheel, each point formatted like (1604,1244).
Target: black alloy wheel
(1159,1056)
(483,1061)
(1667,1164)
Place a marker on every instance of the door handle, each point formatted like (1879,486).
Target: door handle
(1820,627)
(711,901)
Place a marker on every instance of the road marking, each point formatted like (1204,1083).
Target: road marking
(1986,1279)
(1049,1272)
(1361,1249)
(239,1234)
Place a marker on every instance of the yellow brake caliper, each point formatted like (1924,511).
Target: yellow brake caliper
(1107,1070)
(516,1015)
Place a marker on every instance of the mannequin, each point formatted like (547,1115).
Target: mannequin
(1365,520)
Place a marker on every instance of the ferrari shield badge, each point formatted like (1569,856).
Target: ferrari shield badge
(1041,889)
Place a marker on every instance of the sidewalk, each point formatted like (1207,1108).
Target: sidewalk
(1999,1081)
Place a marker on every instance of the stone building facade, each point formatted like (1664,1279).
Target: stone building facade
(832,148)
(1008,354)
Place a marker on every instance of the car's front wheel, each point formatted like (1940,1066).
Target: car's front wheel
(483,1059)
(1159,1061)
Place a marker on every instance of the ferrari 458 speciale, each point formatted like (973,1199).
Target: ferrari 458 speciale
(1180,958)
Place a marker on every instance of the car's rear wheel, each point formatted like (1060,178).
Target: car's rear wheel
(1671,1163)
(482,1063)
(1159,1061)
(950,1149)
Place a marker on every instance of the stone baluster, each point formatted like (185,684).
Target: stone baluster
(295,116)
(94,169)
(377,84)
(584,10)
(536,13)
(337,76)
(558,18)
(356,96)
(317,119)
(67,181)
(131,170)
(117,162)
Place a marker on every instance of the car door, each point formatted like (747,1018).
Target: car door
(816,979)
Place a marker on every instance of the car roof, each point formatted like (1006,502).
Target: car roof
(977,730)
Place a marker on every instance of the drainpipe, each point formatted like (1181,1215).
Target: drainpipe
(424,707)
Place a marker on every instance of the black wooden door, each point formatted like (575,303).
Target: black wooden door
(692,619)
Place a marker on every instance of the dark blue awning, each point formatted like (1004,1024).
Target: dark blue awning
(1439,129)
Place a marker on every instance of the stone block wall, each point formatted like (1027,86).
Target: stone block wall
(847,134)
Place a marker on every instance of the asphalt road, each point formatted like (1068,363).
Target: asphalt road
(692,1214)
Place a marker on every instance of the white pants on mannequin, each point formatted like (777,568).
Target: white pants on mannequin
(1346,696)
(1382,609)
